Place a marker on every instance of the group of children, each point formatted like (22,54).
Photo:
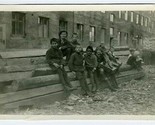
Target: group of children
(98,64)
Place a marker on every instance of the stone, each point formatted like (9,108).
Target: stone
(68,108)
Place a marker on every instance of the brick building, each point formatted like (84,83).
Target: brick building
(26,30)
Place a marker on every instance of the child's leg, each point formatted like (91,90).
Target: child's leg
(110,81)
(113,79)
(95,80)
(67,81)
(62,79)
(82,79)
(92,80)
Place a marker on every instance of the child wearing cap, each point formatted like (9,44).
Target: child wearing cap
(91,65)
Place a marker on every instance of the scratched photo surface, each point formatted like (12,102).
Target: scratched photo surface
(77,62)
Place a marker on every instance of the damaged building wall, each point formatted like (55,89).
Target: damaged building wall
(94,27)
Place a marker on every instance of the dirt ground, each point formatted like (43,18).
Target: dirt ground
(136,97)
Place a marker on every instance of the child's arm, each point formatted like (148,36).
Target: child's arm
(70,63)
(96,63)
(50,60)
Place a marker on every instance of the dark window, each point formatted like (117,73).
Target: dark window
(43,27)
(18,23)
(62,25)
(92,34)
(80,31)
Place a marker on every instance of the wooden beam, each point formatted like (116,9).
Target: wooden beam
(45,71)
(21,68)
(23,53)
(38,52)
(31,93)
(9,77)
(44,95)
(35,82)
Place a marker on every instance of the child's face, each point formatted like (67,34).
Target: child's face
(98,52)
(132,52)
(89,51)
(63,35)
(54,44)
(78,49)
(75,37)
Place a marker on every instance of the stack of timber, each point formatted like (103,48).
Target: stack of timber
(27,80)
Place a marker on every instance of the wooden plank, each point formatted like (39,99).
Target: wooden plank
(40,52)
(26,61)
(47,95)
(2,62)
(31,93)
(121,53)
(21,68)
(48,71)
(23,53)
(130,77)
(39,81)
(34,82)
(39,95)
(130,72)
(40,100)
(45,71)
(8,77)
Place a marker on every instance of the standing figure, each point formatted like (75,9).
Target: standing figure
(91,65)
(64,45)
(54,58)
(76,64)
(75,41)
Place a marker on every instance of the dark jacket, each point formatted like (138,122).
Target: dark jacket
(64,44)
(131,60)
(76,62)
(74,43)
(90,61)
(54,55)
(101,59)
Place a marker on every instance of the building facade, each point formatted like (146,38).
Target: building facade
(27,30)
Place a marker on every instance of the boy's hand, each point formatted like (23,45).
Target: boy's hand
(73,73)
(94,69)
(56,65)
(61,66)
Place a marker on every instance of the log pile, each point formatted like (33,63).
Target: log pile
(26,79)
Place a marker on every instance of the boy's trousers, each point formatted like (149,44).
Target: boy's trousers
(83,83)
(93,80)
(62,77)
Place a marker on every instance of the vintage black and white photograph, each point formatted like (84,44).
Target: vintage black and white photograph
(77,62)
